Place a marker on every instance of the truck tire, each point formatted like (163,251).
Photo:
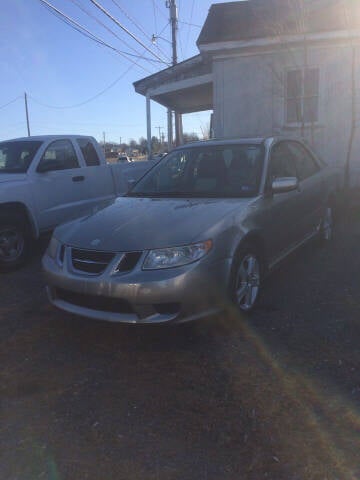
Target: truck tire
(15,241)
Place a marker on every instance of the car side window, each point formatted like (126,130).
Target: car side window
(305,164)
(59,155)
(282,162)
(89,153)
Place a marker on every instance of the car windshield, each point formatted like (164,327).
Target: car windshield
(205,171)
(16,157)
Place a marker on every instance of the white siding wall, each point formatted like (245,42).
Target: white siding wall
(249,99)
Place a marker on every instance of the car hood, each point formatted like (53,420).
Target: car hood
(12,177)
(145,223)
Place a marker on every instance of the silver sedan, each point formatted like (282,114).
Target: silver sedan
(197,233)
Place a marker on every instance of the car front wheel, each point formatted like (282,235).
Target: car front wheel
(246,280)
(327,225)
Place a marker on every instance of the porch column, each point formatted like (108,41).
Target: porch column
(148,124)
(169,129)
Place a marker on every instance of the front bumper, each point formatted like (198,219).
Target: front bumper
(171,295)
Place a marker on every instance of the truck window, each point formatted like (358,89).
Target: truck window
(89,153)
(61,154)
(16,157)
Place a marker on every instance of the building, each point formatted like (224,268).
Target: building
(274,67)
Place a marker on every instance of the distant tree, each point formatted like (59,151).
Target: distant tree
(143,146)
(155,145)
(132,144)
(190,137)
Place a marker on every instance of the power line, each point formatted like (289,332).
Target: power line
(138,26)
(191,24)
(11,101)
(100,7)
(112,32)
(161,11)
(189,27)
(79,28)
(58,107)
(154,9)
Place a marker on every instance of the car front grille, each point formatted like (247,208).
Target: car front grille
(94,302)
(90,261)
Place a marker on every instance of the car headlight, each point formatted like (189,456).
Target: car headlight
(53,248)
(176,256)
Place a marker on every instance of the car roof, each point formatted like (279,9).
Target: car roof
(238,141)
(44,138)
(225,141)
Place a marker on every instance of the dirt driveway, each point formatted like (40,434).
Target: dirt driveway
(274,396)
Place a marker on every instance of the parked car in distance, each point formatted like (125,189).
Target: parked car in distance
(123,159)
(48,180)
(199,231)
(158,156)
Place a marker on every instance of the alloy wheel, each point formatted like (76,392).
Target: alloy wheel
(327,224)
(247,283)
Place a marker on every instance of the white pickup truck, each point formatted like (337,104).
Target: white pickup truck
(48,180)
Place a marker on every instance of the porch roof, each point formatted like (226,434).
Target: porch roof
(186,87)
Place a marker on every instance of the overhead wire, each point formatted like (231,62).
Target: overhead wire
(189,27)
(139,27)
(10,102)
(82,30)
(113,33)
(101,8)
(154,10)
(160,10)
(179,35)
(89,35)
(94,97)
(156,29)
(191,24)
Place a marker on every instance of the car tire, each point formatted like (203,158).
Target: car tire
(15,241)
(246,278)
(327,225)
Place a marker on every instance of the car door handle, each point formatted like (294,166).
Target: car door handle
(79,178)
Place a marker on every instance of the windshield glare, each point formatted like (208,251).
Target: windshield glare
(16,157)
(213,171)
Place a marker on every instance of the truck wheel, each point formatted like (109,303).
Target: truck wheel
(15,240)
(246,278)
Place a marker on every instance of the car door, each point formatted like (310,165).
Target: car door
(281,210)
(58,185)
(99,181)
(312,189)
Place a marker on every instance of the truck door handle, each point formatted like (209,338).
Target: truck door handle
(80,178)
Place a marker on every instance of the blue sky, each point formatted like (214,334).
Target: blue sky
(57,66)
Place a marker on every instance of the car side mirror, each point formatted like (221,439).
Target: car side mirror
(49,165)
(284,184)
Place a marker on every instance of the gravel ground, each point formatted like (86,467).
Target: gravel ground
(273,396)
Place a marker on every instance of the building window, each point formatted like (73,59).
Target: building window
(302,95)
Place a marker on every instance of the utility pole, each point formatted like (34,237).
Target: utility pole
(104,141)
(159,128)
(27,114)
(171,5)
